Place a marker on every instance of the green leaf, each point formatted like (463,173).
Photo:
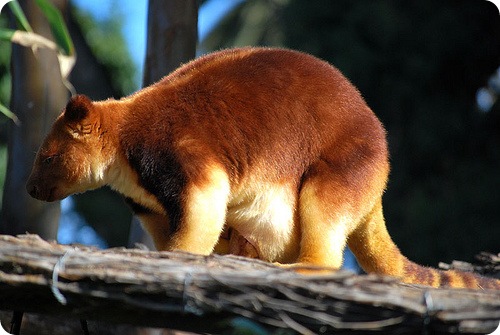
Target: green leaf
(57,26)
(19,15)
(9,114)
(35,41)
(6,34)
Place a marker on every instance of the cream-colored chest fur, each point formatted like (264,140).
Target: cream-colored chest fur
(125,181)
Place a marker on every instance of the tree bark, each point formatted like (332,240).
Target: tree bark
(226,294)
(37,97)
(172,36)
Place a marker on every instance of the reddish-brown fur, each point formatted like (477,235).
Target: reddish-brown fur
(275,146)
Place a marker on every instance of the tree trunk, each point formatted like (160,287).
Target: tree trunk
(37,97)
(172,37)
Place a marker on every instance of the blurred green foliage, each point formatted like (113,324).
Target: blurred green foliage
(419,65)
(107,43)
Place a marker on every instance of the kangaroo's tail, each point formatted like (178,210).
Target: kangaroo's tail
(377,253)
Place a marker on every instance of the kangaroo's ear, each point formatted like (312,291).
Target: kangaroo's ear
(78,108)
(77,115)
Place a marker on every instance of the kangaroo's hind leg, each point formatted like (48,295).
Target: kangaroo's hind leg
(337,192)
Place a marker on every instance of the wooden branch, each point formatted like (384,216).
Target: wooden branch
(211,293)
(489,265)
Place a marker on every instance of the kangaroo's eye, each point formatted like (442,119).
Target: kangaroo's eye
(48,160)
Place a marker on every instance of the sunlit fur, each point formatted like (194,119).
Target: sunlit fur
(273,149)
